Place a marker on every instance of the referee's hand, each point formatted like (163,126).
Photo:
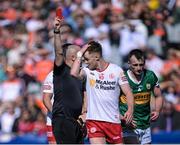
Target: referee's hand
(57,23)
(81,121)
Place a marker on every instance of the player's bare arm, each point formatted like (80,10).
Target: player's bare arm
(57,42)
(128,116)
(158,103)
(47,101)
(75,69)
(84,108)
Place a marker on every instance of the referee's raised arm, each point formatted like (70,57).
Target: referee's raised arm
(57,41)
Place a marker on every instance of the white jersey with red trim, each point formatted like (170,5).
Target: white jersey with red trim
(103,90)
(48,88)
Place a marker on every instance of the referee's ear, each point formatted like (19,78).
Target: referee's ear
(73,57)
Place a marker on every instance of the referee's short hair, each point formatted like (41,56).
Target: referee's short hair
(65,48)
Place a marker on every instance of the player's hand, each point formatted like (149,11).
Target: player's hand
(128,116)
(131,125)
(84,48)
(154,115)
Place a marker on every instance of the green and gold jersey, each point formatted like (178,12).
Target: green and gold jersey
(142,95)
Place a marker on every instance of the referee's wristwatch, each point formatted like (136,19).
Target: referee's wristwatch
(56,31)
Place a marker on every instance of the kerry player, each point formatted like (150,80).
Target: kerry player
(143,83)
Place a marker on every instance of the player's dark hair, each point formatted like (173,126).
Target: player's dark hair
(65,48)
(95,47)
(139,54)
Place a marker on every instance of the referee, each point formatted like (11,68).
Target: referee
(68,92)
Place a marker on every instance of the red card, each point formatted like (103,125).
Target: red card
(59,13)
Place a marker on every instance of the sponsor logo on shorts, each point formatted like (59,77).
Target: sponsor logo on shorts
(93,129)
(46,87)
(49,134)
(116,137)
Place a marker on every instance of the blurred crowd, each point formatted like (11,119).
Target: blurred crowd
(26,51)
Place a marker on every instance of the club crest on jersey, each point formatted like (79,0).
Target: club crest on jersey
(148,86)
(101,76)
(92,82)
(140,88)
(111,76)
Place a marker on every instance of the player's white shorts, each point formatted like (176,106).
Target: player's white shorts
(144,135)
